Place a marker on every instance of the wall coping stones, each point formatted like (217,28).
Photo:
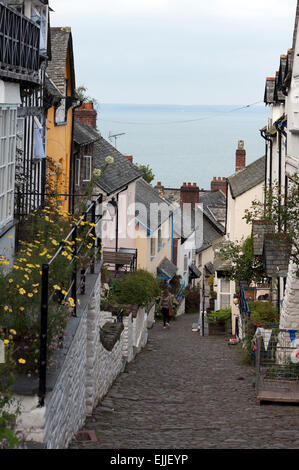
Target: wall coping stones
(110,333)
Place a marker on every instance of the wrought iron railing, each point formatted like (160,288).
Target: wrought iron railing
(19,42)
(76,283)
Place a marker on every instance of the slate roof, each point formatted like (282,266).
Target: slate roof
(52,88)
(119,174)
(210,234)
(248,178)
(146,195)
(259,229)
(214,203)
(168,268)
(84,134)
(210,268)
(195,271)
(276,256)
(61,39)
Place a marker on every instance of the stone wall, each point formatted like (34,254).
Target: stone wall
(89,365)
(289,318)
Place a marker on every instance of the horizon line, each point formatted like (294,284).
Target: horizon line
(177,104)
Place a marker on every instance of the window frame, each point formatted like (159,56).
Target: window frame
(8,142)
(85,159)
(77,171)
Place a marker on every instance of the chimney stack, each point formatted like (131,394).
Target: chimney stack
(189,194)
(240,156)
(87,114)
(129,157)
(160,188)
(218,184)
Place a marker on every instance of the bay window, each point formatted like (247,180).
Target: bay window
(8,120)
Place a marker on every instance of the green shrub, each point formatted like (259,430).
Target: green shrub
(9,409)
(264,312)
(138,288)
(223,316)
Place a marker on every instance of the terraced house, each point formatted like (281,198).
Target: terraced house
(60,77)
(24,53)
(281,136)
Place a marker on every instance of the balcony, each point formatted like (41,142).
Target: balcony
(19,46)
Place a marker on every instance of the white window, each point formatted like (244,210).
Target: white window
(39,14)
(60,112)
(39,148)
(87,168)
(224,293)
(8,121)
(77,172)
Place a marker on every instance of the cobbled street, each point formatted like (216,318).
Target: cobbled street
(184,391)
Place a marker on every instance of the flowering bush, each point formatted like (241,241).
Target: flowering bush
(9,438)
(20,296)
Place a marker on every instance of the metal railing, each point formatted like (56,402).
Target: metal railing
(76,283)
(277,364)
(19,42)
(180,294)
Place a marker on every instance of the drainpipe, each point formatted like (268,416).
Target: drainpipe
(172,237)
(280,133)
(268,140)
(72,163)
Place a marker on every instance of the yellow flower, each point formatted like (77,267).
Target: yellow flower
(56,287)
(10,281)
(64,292)
(35,291)
(21,361)
(30,295)
(69,257)
(22,291)
(22,308)
(13,332)
(6,341)
(5,308)
(64,253)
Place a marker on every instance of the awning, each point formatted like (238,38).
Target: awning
(167,269)
(210,268)
(194,272)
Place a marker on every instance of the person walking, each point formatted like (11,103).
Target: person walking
(166,307)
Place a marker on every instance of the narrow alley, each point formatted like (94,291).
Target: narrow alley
(184,391)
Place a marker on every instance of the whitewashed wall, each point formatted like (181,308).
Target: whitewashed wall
(87,374)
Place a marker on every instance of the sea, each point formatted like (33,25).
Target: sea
(184,143)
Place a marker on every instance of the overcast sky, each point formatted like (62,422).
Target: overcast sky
(176,51)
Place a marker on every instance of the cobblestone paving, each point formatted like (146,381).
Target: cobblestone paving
(188,392)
